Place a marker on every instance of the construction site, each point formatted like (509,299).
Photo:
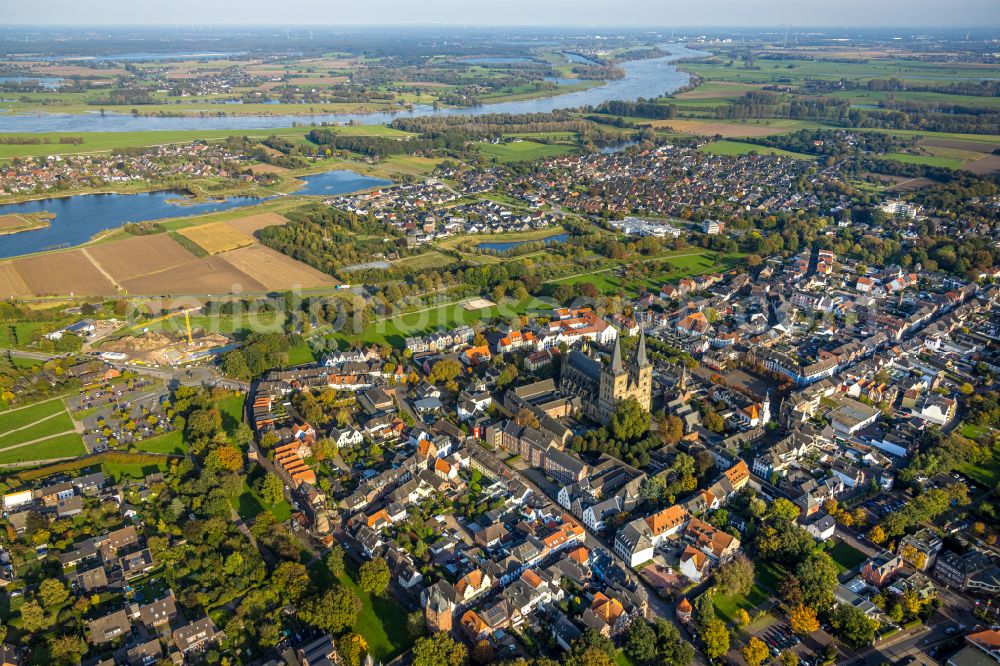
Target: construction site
(183,346)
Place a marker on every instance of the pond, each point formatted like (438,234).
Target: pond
(509,245)
(643,78)
(78,218)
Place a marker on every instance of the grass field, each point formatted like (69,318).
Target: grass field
(300,354)
(250,505)
(741,148)
(382,620)
(768,576)
(684,263)
(105,141)
(430,259)
(172,442)
(986,474)
(927,160)
(27,415)
(58,423)
(18,334)
(47,421)
(846,557)
(521,151)
(118,471)
(69,445)
(395,330)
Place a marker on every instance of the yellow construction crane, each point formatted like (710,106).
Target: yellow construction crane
(187,322)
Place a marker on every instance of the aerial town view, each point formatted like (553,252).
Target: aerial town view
(524,333)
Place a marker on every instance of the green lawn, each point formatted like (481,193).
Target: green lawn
(382,620)
(622,659)
(521,151)
(686,263)
(846,556)
(19,334)
(131,470)
(232,412)
(301,354)
(741,148)
(69,445)
(60,423)
(28,415)
(726,605)
(395,330)
(172,442)
(973,431)
(986,474)
(768,576)
(250,505)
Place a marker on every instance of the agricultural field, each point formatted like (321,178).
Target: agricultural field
(733,129)
(251,224)
(740,148)
(15,224)
(214,257)
(70,272)
(926,160)
(216,237)
(797,71)
(140,255)
(522,151)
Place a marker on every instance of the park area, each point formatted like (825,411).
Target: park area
(652,274)
(765,584)
(382,620)
(38,432)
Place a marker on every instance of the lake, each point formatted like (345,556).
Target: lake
(643,78)
(510,245)
(50,82)
(579,59)
(80,217)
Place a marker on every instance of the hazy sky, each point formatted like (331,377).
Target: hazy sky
(653,13)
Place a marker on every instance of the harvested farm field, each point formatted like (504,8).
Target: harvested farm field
(216,237)
(253,223)
(716,90)
(727,130)
(209,275)
(267,168)
(11,282)
(984,165)
(63,273)
(142,255)
(274,270)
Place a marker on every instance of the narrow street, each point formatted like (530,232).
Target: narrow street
(536,481)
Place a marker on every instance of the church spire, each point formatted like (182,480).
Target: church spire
(640,350)
(617,367)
